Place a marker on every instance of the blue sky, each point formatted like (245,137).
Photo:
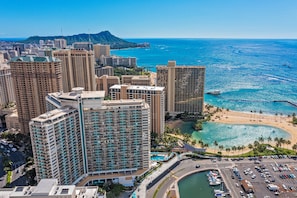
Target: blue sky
(151,18)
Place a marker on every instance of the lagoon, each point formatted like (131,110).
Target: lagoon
(230,135)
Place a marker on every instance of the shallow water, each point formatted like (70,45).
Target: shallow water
(233,135)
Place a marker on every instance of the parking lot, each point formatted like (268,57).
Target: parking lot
(279,174)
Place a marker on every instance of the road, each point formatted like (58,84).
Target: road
(189,165)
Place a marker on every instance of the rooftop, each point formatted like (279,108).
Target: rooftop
(138,87)
(76,93)
(34,59)
(56,113)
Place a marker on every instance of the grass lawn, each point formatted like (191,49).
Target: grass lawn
(9,177)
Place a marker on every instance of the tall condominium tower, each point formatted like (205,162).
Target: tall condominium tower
(101,50)
(60,43)
(154,96)
(77,69)
(56,144)
(114,137)
(184,87)
(107,70)
(6,86)
(33,78)
(103,83)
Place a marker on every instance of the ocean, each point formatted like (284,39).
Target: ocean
(251,74)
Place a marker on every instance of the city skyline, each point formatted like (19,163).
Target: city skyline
(151,19)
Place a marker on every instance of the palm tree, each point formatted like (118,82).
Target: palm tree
(282,141)
(256,143)
(221,147)
(269,139)
(234,148)
(288,142)
(294,147)
(227,150)
(242,147)
(250,146)
(238,148)
(261,139)
(215,143)
(276,140)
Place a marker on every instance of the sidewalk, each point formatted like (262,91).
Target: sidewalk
(148,182)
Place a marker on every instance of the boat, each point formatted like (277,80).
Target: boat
(213,178)
(215,92)
(219,193)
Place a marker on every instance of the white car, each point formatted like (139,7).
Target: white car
(253,176)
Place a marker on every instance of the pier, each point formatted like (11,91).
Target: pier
(286,101)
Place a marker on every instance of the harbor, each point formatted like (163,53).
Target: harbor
(206,183)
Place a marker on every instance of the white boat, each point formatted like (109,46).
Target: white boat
(213,178)
(215,182)
(215,92)
(220,194)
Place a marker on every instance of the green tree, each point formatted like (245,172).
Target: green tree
(294,147)
(261,139)
(269,139)
(250,146)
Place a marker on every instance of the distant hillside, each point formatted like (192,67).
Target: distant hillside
(104,37)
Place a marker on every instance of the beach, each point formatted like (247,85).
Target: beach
(235,117)
(278,121)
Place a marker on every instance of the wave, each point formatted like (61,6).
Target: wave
(280,78)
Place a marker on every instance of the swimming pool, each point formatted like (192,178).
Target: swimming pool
(159,157)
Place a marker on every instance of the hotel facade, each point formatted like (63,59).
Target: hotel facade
(78,68)
(34,77)
(154,96)
(107,139)
(184,87)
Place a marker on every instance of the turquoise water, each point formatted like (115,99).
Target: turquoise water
(157,158)
(250,73)
(233,135)
(196,186)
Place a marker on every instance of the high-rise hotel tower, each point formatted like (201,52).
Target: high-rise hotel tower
(6,86)
(89,139)
(154,96)
(34,77)
(78,68)
(184,87)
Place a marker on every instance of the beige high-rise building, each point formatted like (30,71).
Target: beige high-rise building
(184,87)
(101,50)
(107,70)
(154,96)
(136,80)
(103,83)
(1,57)
(6,86)
(77,69)
(60,43)
(33,78)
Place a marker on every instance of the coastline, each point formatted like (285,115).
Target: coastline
(245,118)
(236,117)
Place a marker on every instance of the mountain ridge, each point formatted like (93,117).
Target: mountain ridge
(104,37)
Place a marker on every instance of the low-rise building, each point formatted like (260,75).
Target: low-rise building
(47,188)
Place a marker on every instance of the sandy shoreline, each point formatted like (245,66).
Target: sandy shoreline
(235,117)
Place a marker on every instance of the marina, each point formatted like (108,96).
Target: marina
(206,184)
